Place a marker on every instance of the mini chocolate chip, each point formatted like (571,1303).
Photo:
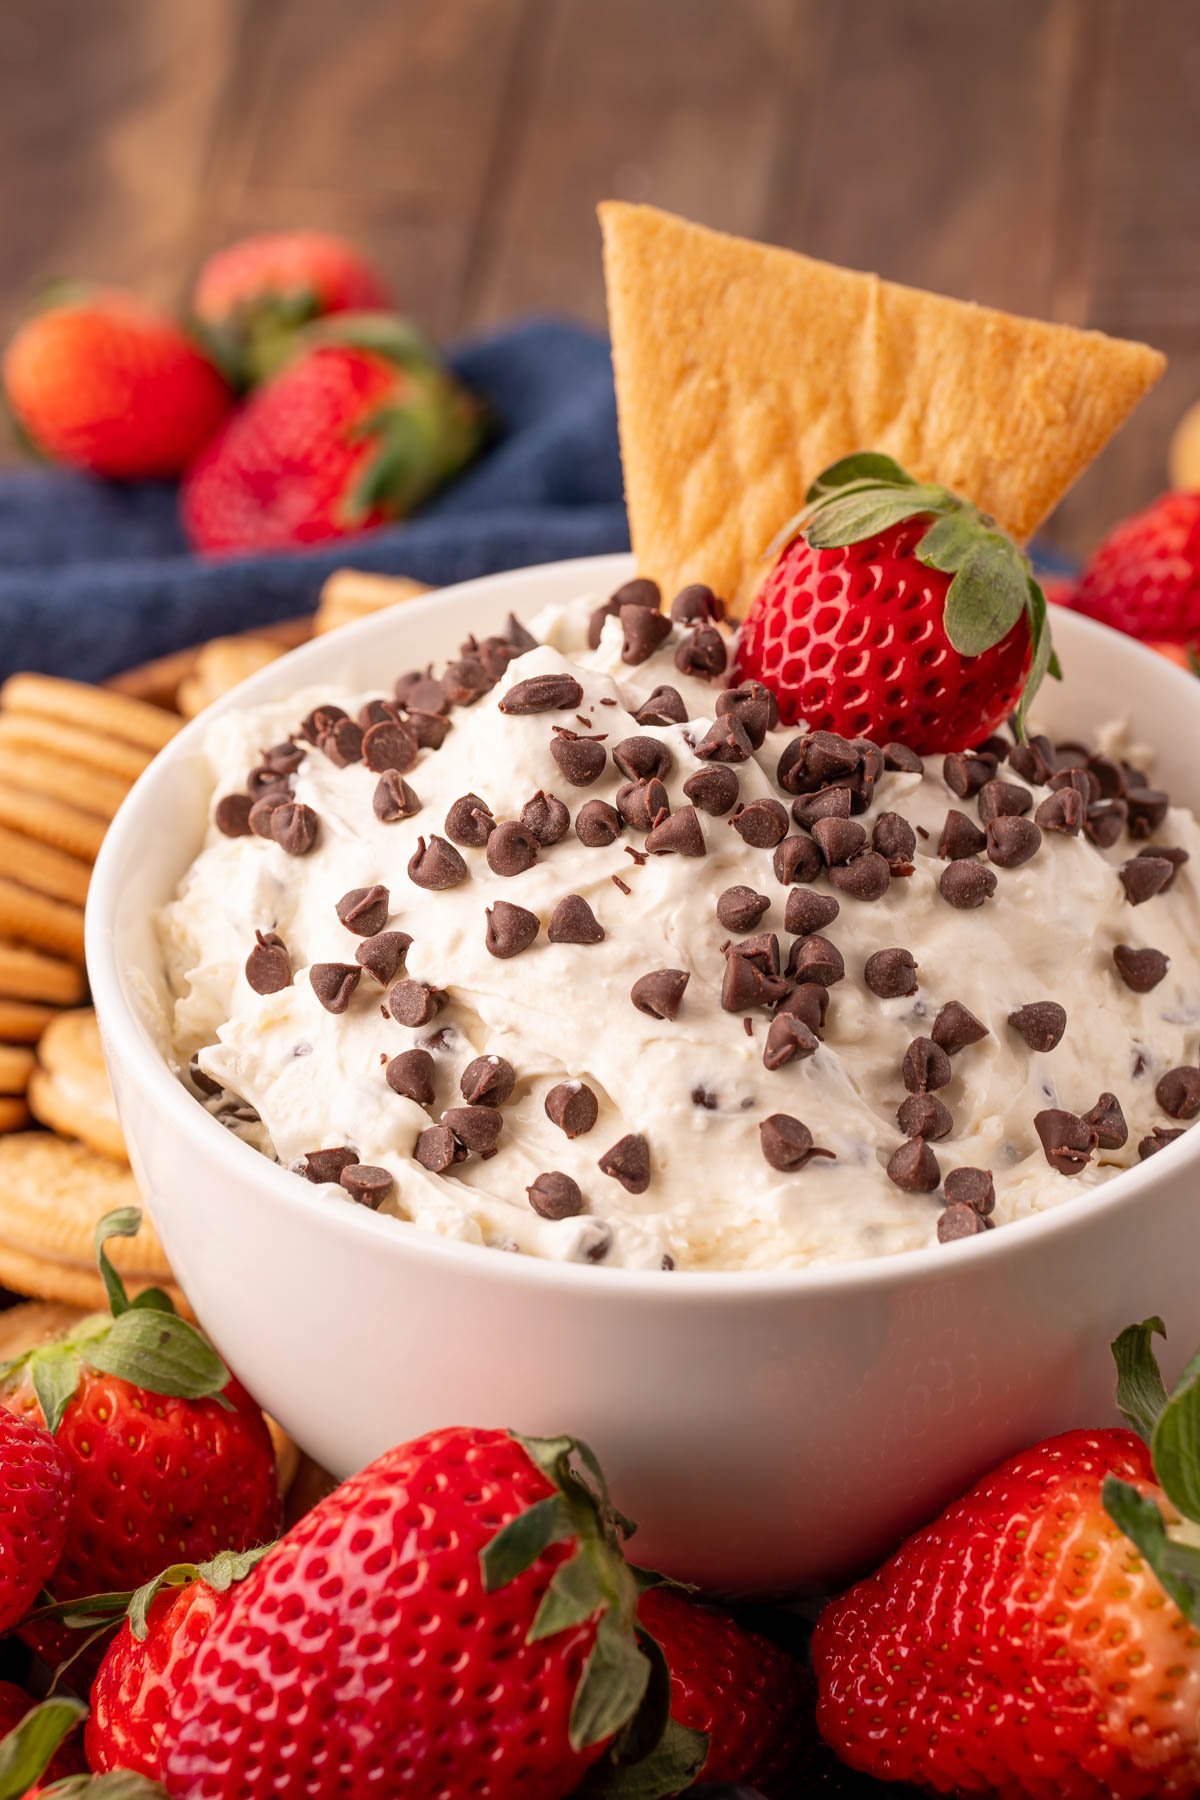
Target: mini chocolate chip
(964,774)
(343,744)
(320,720)
(333,983)
(665,706)
(956,1027)
(469,821)
(838,839)
(1144,877)
(659,993)
(641,758)
(816,959)
(900,759)
(787,1143)
(431,728)
(204,1084)
(696,604)
(262,812)
(740,908)
(753,706)
(924,1116)
(1033,761)
(808,1002)
(327,1165)
(1178,1093)
(487,1081)
(971,1187)
(702,654)
(574,922)
(465,680)
(1062,812)
(967,884)
(1002,799)
(641,591)
(762,949)
(808,911)
(1041,1024)
(511,849)
(1175,857)
(263,780)
(1140,970)
(797,859)
(1109,776)
(369,1185)
(725,741)
(746,983)
(231,815)
(679,833)
(554,1195)
(477,1128)
(926,1066)
(392,744)
(865,877)
(959,1221)
(995,745)
(1147,810)
(510,929)
(383,955)
(411,1075)
(268,966)
(414,1002)
(284,758)
(643,629)
(294,827)
(364,910)
(961,837)
(1067,1140)
(1158,1140)
(890,973)
(1108,1122)
(437,1149)
(914,1167)
(427,694)
(436,865)
(895,839)
(1104,822)
(573,1107)
(393,798)
(761,823)
(640,802)
(545,818)
(1012,841)
(580,760)
(789,1039)
(543,693)
(1085,784)
(826,803)
(629,1163)
(597,824)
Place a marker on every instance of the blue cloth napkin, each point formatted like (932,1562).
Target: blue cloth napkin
(96,576)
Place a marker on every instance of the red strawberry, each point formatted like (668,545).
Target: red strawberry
(1023,1645)
(750,1699)
(1144,579)
(256,293)
(45,1750)
(456,1619)
(108,384)
(896,611)
(36,1476)
(349,435)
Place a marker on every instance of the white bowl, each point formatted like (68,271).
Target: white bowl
(771,1432)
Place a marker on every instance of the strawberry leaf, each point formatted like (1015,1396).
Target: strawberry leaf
(948,542)
(28,1747)
(612,1686)
(519,1544)
(54,1375)
(573,1595)
(162,1353)
(849,518)
(125,1222)
(670,1768)
(121,1784)
(987,596)
(862,466)
(1141,1393)
(1176,1565)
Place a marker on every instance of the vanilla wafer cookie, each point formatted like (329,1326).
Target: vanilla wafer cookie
(69,1090)
(349,594)
(17,1064)
(96,709)
(60,779)
(23,1021)
(14,1113)
(30,975)
(31,918)
(54,822)
(34,1323)
(43,869)
(220,666)
(56,737)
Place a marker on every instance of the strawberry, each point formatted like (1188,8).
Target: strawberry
(748,1697)
(36,1742)
(254,295)
(1144,579)
(896,611)
(1040,1638)
(169,1453)
(350,434)
(37,1478)
(108,384)
(456,1619)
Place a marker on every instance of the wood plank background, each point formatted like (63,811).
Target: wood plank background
(1038,154)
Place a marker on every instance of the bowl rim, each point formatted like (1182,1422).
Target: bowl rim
(129,1045)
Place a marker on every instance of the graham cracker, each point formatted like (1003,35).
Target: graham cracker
(742,371)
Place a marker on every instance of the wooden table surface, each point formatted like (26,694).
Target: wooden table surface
(1038,154)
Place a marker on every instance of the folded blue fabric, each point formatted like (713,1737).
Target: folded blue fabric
(95,577)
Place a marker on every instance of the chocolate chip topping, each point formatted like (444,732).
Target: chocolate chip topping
(762,949)
(740,908)
(437,1149)
(487,1081)
(573,1107)
(1147,810)
(640,758)
(725,741)
(1140,970)
(967,884)
(641,591)
(392,744)
(574,922)
(364,910)
(959,1221)
(924,1116)
(511,849)
(761,823)
(284,758)
(838,839)
(1104,821)
(961,837)
(787,1143)
(665,706)
(554,1195)
(366,1183)
(914,1167)
(808,1002)
(826,803)
(436,865)
(393,798)
(640,802)
(643,629)
(1108,1122)
(1062,812)
(597,824)
(268,966)
(753,706)
(510,929)
(1085,784)
(414,1002)
(696,604)
(659,993)
(956,1027)
(1002,799)
(702,654)
(543,693)
(808,911)
(1041,1024)
(327,1165)
(748,983)
(343,743)
(1033,761)
(816,959)
(890,973)
(1145,876)
(926,1066)
(789,1039)
(971,1187)
(797,859)
(1068,1140)
(465,680)
(1012,841)
(545,818)
(895,839)
(431,729)
(965,773)
(426,694)
(865,877)
(294,827)
(1178,1093)
(901,760)
(1158,1140)
(382,956)
(469,821)
(679,834)
(263,811)
(333,983)
(629,1163)
(203,1084)
(231,815)
(580,759)
(411,1075)
(320,721)
(477,1128)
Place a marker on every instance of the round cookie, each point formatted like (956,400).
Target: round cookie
(93,708)
(69,1090)
(30,975)
(54,737)
(53,925)
(220,666)
(52,822)
(16,1066)
(33,1323)
(47,871)
(22,1022)
(14,1113)
(60,777)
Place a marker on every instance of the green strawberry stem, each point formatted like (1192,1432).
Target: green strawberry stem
(101,1611)
(121,1784)
(1170,1425)
(993,584)
(26,1751)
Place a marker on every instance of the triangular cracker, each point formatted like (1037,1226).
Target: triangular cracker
(742,371)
